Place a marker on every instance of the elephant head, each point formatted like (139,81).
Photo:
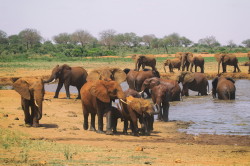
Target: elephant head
(57,72)
(185,77)
(221,58)
(150,83)
(107,74)
(106,91)
(31,89)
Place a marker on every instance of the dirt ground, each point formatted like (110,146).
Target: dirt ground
(62,124)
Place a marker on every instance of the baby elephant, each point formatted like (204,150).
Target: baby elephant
(224,87)
(172,63)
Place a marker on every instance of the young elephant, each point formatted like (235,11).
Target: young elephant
(32,93)
(224,87)
(193,81)
(137,108)
(172,63)
(132,92)
(160,96)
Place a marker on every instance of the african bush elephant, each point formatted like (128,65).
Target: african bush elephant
(224,87)
(32,93)
(96,97)
(227,59)
(172,63)
(74,76)
(196,61)
(107,74)
(193,81)
(172,85)
(144,60)
(184,60)
(136,78)
(137,108)
(160,94)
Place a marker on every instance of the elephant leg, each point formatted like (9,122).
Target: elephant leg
(238,68)
(191,68)
(148,93)
(134,126)
(34,109)
(184,91)
(66,85)
(79,95)
(224,68)
(85,121)
(100,122)
(92,123)
(109,124)
(125,127)
(202,69)
(25,107)
(195,68)
(165,107)
(170,69)
(59,87)
(158,108)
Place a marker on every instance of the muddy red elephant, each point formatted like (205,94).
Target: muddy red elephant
(224,88)
(32,93)
(227,59)
(144,60)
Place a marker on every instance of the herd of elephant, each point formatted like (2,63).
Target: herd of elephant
(100,87)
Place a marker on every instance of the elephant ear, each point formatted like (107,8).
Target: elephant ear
(22,87)
(230,79)
(217,57)
(94,75)
(118,75)
(66,67)
(188,78)
(99,90)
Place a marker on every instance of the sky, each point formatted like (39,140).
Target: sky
(195,19)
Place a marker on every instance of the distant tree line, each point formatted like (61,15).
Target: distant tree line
(81,44)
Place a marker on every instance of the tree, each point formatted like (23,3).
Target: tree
(246,43)
(172,40)
(30,37)
(83,37)
(107,37)
(209,41)
(3,37)
(185,41)
(148,39)
(127,39)
(62,38)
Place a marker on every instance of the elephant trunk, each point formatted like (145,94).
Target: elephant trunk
(219,66)
(39,106)
(51,79)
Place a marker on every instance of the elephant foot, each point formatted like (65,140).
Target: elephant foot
(27,125)
(35,125)
(68,97)
(125,132)
(100,132)
(92,129)
(79,97)
(109,132)
(135,134)
(55,96)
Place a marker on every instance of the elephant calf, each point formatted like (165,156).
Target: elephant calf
(224,87)
(172,63)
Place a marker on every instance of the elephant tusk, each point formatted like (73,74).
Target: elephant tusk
(53,80)
(36,103)
(123,101)
(140,92)
(210,93)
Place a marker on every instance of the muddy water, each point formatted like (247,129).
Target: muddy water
(210,116)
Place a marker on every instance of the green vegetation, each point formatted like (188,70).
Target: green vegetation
(28,46)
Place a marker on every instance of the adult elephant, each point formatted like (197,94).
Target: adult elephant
(224,87)
(227,59)
(74,76)
(193,81)
(197,61)
(184,60)
(96,97)
(137,108)
(172,63)
(32,93)
(172,85)
(107,73)
(144,60)
(135,79)
(160,94)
